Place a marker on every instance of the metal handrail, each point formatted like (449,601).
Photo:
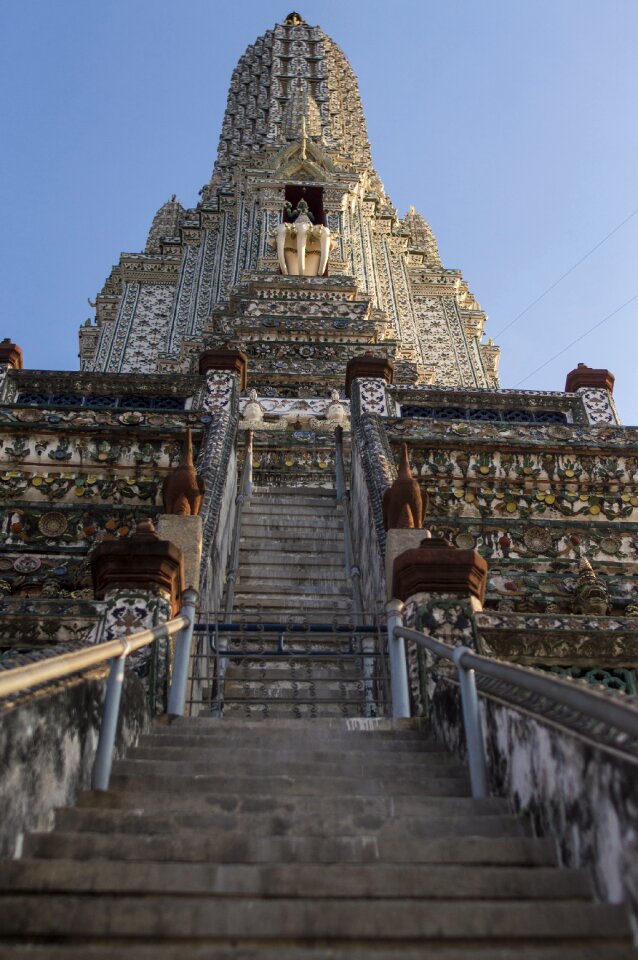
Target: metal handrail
(266,627)
(600,706)
(588,702)
(21,679)
(245,492)
(115,652)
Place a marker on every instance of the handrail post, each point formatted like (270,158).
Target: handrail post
(339,472)
(181,659)
(398,664)
(108,728)
(472,723)
(249,463)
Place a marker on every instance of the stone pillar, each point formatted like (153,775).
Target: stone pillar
(442,587)
(142,563)
(141,578)
(11,354)
(10,359)
(595,387)
(372,374)
(231,361)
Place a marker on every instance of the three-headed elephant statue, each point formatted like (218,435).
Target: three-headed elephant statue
(303,247)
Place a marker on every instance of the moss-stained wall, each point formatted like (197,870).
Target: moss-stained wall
(47,747)
(585,797)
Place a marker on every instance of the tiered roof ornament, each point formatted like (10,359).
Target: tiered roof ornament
(165,224)
(422,238)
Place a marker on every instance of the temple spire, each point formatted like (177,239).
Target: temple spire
(165,224)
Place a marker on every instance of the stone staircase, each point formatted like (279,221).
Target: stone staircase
(296,840)
(291,571)
(291,556)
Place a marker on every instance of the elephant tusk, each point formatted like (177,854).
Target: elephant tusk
(281,242)
(301,251)
(324,240)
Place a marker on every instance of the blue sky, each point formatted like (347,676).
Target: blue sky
(509,124)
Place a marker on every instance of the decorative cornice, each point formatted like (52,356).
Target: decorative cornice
(369,367)
(142,561)
(11,354)
(587,377)
(234,361)
(438,567)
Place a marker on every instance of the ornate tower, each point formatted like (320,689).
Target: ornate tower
(293,191)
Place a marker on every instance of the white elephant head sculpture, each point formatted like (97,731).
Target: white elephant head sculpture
(303,247)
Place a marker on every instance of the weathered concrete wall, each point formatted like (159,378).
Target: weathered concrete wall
(366,545)
(47,747)
(583,796)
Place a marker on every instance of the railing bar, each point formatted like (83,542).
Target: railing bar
(286,628)
(590,702)
(65,664)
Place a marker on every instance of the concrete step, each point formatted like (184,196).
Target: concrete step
(275,749)
(268,749)
(312,524)
(299,657)
(294,602)
(439,786)
(305,681)
(363,731)
(293,493)
(324,808)
(287,696)
(399,829)
(269,708)
(192,846)
(298,587)
(270,508)
(295,501)
(323,950)
(288,573)
(410,728)
(285,540)
(186,918)
(128,949)
(344,779)
(438,882)
(309,510)
(300,641)
(284,618)
(299,763)
(267,557)
(274,572)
